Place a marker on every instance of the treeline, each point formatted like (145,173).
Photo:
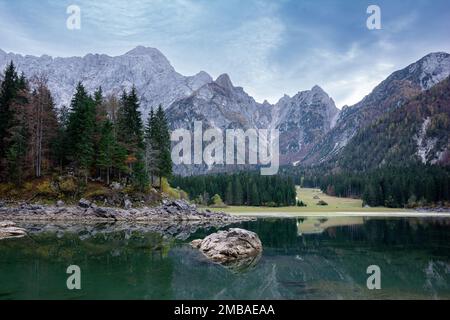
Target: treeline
(247,188)
(96,137)
(390,186)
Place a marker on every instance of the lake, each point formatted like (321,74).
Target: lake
(303,258)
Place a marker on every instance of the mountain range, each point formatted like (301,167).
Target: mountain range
(312,129)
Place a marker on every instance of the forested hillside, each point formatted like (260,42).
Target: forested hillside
(416,132)
(96,139)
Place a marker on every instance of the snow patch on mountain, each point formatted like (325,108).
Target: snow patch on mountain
(435,67)
(423,148)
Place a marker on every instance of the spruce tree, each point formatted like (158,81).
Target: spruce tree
(18,135)
(229,193)
(106,149)
(163,144)
(151,148)
(8,92)
(130,127)
(131,137)
(238,191)
(100,121)
(81,130)
(139,176)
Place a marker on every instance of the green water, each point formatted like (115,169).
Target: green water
(302,259)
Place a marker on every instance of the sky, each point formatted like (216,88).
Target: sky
(268,47)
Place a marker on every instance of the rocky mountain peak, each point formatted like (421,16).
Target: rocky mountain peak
(432,69)
(142,51)
(146,68)
(317,89)
(224,81)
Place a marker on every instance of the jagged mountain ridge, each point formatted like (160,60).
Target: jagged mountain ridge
(148,69)
(390,94)
(312,128)
(301,120)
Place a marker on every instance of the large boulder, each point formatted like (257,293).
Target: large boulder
(229,246)
(8,229)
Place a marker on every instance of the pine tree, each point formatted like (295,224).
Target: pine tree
(139,176)
(100,119)
(254,195)
(81,130)
(229,193)
(130,127)
(238,191)
(163,144)
(119,158)
(106,149)
(18,135)
(8,92)
(152,151)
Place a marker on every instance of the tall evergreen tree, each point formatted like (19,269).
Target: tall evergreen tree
(18,135)
(130,127)
(163,144)
(106,149)
(139,176)
(131,137)
(152,151)
(80,130)
(8,92)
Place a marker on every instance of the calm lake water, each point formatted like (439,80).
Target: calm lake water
(302,259)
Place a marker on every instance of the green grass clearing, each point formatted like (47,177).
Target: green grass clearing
(307,195)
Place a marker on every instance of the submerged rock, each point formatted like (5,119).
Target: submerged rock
(8,229)
(230,246)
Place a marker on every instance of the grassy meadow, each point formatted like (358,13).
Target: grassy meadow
(311,197)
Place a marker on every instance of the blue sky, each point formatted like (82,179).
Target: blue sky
(268,47)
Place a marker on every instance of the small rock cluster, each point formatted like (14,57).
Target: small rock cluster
(438,209)
(8,229)
(177,210)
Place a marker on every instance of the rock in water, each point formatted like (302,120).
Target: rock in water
(8,229)
(229,246)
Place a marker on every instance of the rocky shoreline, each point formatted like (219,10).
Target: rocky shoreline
(168,211)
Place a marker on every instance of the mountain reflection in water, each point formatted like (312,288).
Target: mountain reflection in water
(308,258)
